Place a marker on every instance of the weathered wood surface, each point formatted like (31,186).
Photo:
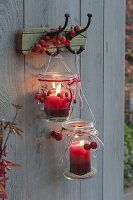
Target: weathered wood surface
(113,160)
(102,74)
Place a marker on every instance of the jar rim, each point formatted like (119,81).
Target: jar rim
(78,125)
(57,77)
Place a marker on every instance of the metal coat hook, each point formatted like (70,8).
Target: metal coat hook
(53,41)
(82,48)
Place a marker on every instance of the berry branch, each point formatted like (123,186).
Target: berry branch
(5,164)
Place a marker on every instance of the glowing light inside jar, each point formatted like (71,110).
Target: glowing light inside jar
(81,143)
(53,84)
(58,89)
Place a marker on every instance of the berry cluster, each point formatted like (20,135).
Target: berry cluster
(43,44)
(92,145)
(56,135)
(41,96)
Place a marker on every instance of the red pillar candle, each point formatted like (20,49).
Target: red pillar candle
(80,162)
(57,104)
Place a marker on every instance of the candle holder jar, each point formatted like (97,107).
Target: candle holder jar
(56,95)
(83,139)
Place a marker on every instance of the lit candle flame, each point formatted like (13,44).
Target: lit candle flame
(53,84)
(58,89)
(81,142)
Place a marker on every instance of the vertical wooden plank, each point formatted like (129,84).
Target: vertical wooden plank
(114,36)
(44,171)
(92,83)
(12,89)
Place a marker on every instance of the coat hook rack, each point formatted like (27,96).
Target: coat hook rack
(51,40)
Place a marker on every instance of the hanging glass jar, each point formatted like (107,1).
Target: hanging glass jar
(83,140)
(56,95)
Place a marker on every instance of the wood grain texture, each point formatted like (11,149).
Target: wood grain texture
(114,35)
(44,170)
(12,89)
(92,83)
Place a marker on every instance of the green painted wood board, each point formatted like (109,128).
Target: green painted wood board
(26,38)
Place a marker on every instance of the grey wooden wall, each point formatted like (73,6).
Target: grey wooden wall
(102,71)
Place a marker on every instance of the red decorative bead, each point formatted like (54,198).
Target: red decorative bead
(93,145)
(77,28)
(72,34)
(87,147)
(59,136)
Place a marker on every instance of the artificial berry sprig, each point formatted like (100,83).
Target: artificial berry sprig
(5,164)
(57,135)
(92,145)
(43,44)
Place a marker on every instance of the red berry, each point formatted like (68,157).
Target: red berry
(38,47)
(67,43)
(63,40)
(87,146)
(72,34)
(93,145)
(41,99)
(53,134)
(66,94)
(49,92)
(74,101)
(56,43)
(43,49)
(59,136)
(38,96)
(46,45)
(58,95)
(34,50)
(47,39)
(59,37)
(77,28)
(42,42)
(44,95)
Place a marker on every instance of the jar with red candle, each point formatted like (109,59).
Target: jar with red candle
(56,95)
(83,140)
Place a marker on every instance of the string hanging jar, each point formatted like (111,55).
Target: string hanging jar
(56,95)
(83,141)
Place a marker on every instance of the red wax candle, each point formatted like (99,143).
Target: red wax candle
(56,106)
(80,162)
